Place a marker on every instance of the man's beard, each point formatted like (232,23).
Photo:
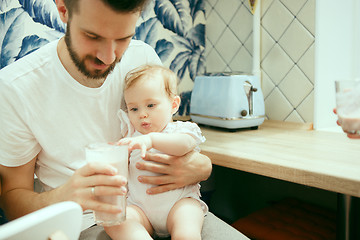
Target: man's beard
(80,63)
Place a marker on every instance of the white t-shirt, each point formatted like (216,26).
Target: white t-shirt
(44,111)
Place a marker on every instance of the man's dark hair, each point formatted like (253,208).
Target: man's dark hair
(116,5)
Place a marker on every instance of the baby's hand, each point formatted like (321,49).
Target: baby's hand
(141,142)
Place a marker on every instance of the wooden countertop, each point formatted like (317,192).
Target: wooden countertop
(291,152)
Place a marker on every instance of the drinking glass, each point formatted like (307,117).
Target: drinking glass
(117,156)
(348,105)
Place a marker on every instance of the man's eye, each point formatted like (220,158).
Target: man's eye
(91,36)
(151,105)
(133,109)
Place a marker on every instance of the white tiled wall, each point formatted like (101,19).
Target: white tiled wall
(287,51)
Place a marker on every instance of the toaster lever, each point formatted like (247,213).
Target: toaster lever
(249,89)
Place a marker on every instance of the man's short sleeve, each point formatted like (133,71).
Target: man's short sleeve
(17,144)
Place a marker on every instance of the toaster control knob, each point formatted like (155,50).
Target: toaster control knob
(243,113)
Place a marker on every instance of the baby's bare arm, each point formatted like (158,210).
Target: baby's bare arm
(176,144)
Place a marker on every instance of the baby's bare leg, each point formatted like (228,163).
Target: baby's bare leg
(136,226)
(185,220)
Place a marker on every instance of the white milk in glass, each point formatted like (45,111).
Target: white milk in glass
(117,156)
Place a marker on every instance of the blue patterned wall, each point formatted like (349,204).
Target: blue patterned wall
(174,28)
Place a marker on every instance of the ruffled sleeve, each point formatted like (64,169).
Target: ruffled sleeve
(188,128)
(126,128)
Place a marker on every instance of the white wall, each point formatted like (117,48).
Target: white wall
(337,54)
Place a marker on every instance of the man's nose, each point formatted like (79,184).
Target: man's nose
(106,52)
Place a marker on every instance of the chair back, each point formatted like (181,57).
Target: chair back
(60,221)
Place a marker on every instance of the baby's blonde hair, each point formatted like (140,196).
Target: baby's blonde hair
(148,71)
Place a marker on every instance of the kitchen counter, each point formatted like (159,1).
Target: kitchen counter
(289,151)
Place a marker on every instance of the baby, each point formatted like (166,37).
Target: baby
(151,100)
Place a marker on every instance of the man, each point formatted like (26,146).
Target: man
(64,96)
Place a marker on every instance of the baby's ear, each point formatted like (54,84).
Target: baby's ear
(176,104)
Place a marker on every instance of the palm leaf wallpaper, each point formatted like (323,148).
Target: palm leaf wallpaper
(174,28)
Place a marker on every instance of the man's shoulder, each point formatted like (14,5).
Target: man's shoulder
(138,45)
(34,61)
(139,53)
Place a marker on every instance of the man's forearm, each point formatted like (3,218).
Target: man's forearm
(17,194)
(19,202)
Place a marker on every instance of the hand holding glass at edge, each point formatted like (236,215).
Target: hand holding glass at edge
(348,107)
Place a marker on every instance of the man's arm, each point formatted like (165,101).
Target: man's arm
(18,197)
(17,184)
(178,171)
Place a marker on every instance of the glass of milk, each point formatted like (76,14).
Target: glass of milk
(348,105)
(117,156)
